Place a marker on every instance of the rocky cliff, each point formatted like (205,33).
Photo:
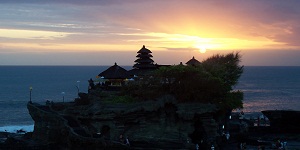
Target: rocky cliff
(161,124)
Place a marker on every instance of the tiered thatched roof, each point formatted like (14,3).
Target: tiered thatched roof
(144,60)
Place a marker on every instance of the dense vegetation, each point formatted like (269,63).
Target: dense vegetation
(210,82)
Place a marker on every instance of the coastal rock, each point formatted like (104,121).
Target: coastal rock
(162,123)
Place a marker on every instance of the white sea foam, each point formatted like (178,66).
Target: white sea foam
(14,129)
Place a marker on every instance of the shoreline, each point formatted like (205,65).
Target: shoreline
(29,128)
(16,128)
(257,136)
(256,139)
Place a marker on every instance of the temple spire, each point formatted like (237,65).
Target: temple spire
(144,60)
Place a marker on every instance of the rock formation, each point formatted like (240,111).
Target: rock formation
(162,123)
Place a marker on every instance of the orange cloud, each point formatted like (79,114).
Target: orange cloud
(98,26)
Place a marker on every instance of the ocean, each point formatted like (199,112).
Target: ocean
(264,88)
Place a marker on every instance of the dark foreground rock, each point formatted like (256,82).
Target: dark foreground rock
(160,124)
(262,137)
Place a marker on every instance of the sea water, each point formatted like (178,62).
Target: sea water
(264,88)
(53,83)
(268,88)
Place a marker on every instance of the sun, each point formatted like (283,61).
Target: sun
(201,48)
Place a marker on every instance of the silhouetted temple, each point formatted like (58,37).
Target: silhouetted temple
(144,65)
(144,60)
(193,62)
(114,75)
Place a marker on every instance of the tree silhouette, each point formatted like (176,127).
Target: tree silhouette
(211,81)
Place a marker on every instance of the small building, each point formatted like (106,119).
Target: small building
(114,75)
(193,62)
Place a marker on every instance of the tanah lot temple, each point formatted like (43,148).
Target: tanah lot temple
(107,120)
(116,76)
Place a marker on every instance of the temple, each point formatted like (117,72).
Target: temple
(193,62)
(144,64)
(105,119)
(116,76)
(144,60)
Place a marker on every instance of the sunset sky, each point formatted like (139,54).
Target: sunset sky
(101,32)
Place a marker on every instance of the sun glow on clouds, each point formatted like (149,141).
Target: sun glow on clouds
(191,41)
(54,41)
(50,47)
(31,34)
(70,26)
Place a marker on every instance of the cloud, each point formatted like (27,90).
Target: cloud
(29,34)
(291,37)
(74,2)
(181,49)
(165,25)
(274,20)
(234,19)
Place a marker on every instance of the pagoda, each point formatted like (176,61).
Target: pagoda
(144,60)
